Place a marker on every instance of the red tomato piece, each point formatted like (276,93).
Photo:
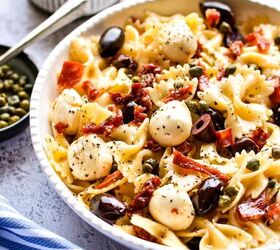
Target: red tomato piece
(212,17)
(110,179)
(60,127)
(224,138)
(259,136)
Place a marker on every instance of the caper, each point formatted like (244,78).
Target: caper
(16,88)
(14,76)
(3,124)
(195,71)
(224,201)
(2,73)
(135,79)
(271,184)
(1,85)
(2,101)
(147,168)
(20,112)
(28,87)
(14,119)
(6,67)
(178,85)
(5,117)
(23,95)
(7,109)
(230,70)
(275,152)
(25,104)
(9,73)
(13,100)
(253,165)
(277,40)
(8,84)
(192,105)
(150,166)
(225,28)
(22,80)
(231,191)
(202,106)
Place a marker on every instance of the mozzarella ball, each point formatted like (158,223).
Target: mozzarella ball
(178,41)
(171,124)
(172,207)
(66,109)
(89,158)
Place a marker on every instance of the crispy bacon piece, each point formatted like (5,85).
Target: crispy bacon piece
(203,82)
(178,94)
(224,138)
(253,209)
(152,145)
(185,148)
(106,127)
(275,96)
(70,75)
(143,234)
(259,136)
(187,164)
(142,199)
(60,127)
(91,91)
(110,179)
(273,212)
(212,17)
(235,49)
(257,39)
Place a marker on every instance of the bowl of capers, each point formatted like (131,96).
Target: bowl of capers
(16,82)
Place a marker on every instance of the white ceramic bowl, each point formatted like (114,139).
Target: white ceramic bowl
(44,90)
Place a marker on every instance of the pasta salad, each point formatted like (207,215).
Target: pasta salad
(168,128)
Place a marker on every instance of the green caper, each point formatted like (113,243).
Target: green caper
(135,79)
(23,95)
(231,191)
(20,112)
(14,76)
(224,201)
(28,87)
(150,166)
(271,184)
(8,84)
(196,71)
(277,40)
(178,85)
(275,152)
(5,117)
(9,73)
(10,109)
(2,73)
(16,88)
(5,67)
(203,106)
(147,168)
(13,100)
(25,104)
(14,119)
(1,85)
(3,124)
(225,28)
(193,107)
(22,80)
(253,165)
(2,101)
(230,70)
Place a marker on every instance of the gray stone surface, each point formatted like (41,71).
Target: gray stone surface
(22,181)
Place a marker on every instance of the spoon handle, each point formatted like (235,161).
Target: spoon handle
(69,11)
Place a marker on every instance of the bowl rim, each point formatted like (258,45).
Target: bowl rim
(34,116)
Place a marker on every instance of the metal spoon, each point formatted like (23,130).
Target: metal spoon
(68,12)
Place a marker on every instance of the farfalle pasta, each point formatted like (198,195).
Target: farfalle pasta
(168,128)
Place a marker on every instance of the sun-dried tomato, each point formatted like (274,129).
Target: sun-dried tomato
(275,96)
(142,199)
(235,49)
(187,164)
(253,209)
(60,127)
(212,17)
(273,212)
(91,91)
(185,148)
(224,138)
(178,94)
(70,75)
(143,234)
(152,145)
(106,127)
(220,74)
(203,82)
(257,39)
(259,136)
(110,179)
(120,98)
(141,95)
(139,115)
(199,49)
(147,73)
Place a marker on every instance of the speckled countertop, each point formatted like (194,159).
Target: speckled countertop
(22,181)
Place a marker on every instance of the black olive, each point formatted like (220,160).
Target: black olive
(111,41)
(217,117)
(124,61)
(128,112)
(207,197)
(193,244)
(245,144)
(225,11)
(203,129)
(233,36)
(107,207)
(276,115)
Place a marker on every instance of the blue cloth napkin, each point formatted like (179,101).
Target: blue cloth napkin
(20,233)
